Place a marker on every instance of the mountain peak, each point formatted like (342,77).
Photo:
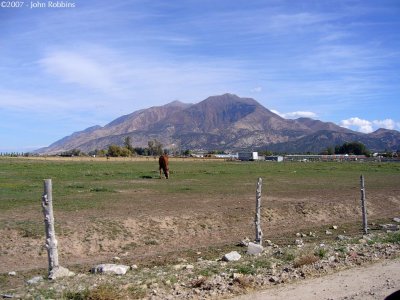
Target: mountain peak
(177,103)
(222,122)
(227,97)
(383,131)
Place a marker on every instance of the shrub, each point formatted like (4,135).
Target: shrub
(116,151)
(199,282)
(243,281)
(245,269)
(105,292)
(393,237)
(305,260)
(288,255)
(321,253)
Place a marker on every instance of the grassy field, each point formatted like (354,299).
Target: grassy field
(119,207)
(110,207)
(90,184)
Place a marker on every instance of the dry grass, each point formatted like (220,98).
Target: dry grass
(305,260)
(102,292)
(199,282)
(243,281)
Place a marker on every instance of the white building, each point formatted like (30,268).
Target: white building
(274,158)
(248,156)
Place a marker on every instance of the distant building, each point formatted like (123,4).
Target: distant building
(274,158)
(248,156)
(226,156)
(333,157)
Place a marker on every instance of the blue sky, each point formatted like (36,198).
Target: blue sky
(65,69)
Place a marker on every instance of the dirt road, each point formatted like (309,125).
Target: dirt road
(375,281)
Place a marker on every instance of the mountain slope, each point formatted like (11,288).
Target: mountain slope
(220,122)
(89,139)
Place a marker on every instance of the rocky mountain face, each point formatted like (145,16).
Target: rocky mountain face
(221,122)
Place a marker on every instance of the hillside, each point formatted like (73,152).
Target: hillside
(225,122)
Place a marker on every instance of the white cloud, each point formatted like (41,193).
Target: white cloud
(387,123)
(295,114)
(24,101)
(77,68)
(290,21)
(334,36)
(276,112)
(257,89)
(366,126)
(361,125)
(300,114)
(136,77)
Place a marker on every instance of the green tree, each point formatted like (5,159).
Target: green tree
(155,147)
(187,152)
(115,151)
(73,152)
(141,151)
(328,151)
(128,144)
(266,153)
(355,148)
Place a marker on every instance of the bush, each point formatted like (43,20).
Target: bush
(305,260)
(393,237)
(321,253)
(355,148)
(116,151)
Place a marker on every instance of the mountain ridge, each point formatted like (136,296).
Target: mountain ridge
(224,122)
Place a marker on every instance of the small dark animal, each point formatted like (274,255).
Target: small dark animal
(163,163)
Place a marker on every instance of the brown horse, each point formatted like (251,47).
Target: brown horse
(163,163)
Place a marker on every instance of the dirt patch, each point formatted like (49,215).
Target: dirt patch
(158,226)
(109,209)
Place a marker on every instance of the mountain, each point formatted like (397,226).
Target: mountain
(221,122)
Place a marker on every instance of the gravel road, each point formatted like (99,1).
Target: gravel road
(376,281)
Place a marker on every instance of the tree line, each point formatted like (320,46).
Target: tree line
(350,148)
(156,148)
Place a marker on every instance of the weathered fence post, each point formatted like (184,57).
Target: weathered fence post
(363,205)
(55,270)
(51,242)
(257,220)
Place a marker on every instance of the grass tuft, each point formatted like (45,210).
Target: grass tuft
(392,237)
(101,189)
(305,260)
(102,292)
(243,281)
(321,253)
(199,282)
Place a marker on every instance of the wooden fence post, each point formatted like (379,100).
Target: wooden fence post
(51,242)
(55,270)
(363,205)
(257,220)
